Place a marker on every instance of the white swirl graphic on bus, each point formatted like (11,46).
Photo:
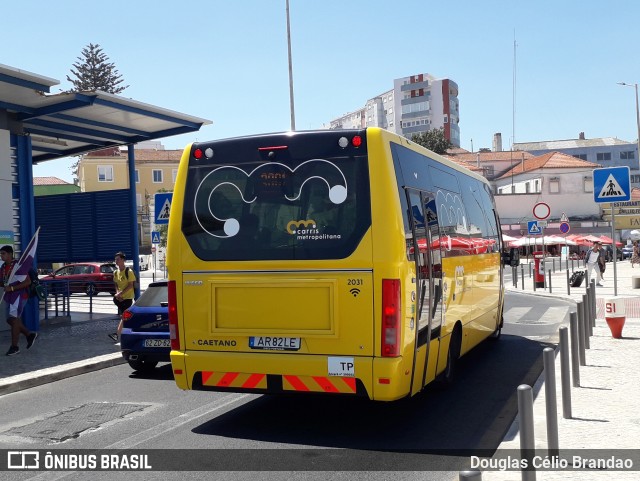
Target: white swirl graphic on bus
(272,175)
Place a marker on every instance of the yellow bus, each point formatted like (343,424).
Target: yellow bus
(349,262)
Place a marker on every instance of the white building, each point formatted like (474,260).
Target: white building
(416,104)
(562,181)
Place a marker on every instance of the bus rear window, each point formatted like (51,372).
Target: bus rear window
(277,197)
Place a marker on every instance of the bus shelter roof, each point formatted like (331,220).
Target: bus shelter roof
(73,123)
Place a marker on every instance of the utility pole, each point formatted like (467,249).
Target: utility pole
(293,115)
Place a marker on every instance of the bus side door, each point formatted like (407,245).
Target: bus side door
(428,287)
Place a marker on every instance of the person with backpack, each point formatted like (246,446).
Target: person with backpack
(124,279)
(15,303)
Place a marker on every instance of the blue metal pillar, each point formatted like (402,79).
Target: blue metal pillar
(26,216)
(134,214)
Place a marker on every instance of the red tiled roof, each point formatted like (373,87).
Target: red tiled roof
(515,156)
(142,154)
(49,181)
(467,165)
(551,160)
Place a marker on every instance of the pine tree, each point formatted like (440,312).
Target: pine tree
(93,71)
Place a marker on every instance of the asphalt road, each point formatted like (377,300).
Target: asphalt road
(415,438)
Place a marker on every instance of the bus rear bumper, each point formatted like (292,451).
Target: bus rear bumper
(280,373)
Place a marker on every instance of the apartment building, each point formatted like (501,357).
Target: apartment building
(416,104)
(155,171)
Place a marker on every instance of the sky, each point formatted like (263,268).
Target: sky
(226,61)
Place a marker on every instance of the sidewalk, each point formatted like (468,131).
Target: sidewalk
(65,346)
(604,409)
(63,349)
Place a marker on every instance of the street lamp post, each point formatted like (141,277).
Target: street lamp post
(293,115)
(637,114)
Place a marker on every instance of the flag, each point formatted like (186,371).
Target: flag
(21,269)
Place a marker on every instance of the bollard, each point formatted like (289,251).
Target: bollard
(568,284)
(615,315)
(593,306)
(587,320)
(581,329)
(564,373)
(529,270)
(553,264)
(514,276)
(551,401)
(522,272)
(527,438)
(550,291)
(470,476)
(575,354)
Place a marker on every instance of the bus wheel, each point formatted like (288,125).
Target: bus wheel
(498,332)
(447,377)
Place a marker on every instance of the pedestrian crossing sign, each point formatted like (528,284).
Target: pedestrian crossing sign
(162,207)
(155,237)
(533,228)
(611,185)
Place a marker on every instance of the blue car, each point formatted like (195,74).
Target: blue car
(145,329)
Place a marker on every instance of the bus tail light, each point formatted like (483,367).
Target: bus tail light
(390,317)
(174,334)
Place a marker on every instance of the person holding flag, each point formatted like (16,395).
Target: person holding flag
(16,280)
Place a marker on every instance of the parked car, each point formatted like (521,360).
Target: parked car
(608,249)
(144,263)
(145,329)
(90,278)
(627,252)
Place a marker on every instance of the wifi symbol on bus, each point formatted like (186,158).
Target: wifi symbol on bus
(354,292)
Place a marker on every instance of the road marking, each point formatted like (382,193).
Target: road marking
(516,313)
(524,315)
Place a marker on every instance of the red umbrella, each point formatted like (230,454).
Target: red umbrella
(607,240)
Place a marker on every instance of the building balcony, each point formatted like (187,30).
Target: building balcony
(415,86)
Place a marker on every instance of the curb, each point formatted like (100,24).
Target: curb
(44,376)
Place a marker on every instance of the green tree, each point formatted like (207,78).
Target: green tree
(433,140)
(91,72)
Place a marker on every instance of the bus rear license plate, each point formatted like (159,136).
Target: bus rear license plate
(275,343)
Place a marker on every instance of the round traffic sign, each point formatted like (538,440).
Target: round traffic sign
(541,210)
(564,227)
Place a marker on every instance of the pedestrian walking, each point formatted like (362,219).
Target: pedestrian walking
(595,258)
(15,296)
(124,279)
(635,254)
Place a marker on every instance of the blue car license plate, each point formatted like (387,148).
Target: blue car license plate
(157,343)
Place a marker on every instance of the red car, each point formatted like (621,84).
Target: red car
(88,277)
